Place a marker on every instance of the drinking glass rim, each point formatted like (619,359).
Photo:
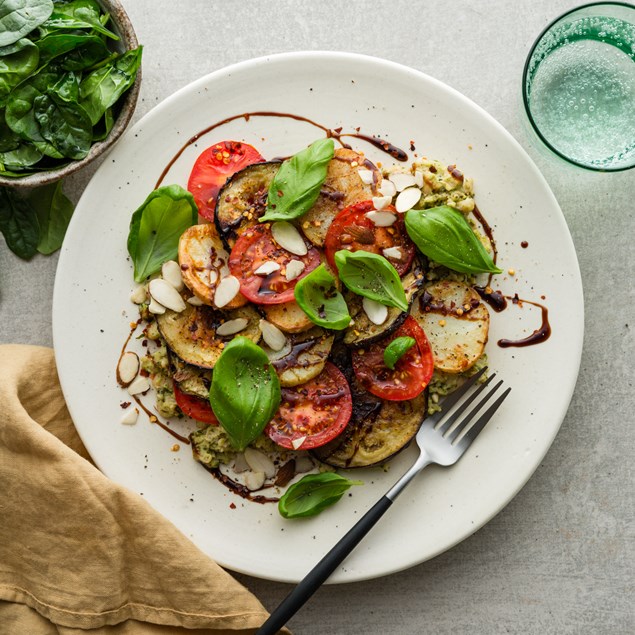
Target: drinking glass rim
(524,87)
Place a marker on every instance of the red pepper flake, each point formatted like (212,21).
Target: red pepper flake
(124,404)
(232,506)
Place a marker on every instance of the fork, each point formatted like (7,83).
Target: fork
(442,444)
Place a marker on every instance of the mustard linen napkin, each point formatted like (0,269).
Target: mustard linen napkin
(78,551)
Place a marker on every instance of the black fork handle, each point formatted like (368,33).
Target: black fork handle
(323,569)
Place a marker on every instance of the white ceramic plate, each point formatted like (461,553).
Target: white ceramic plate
(91,311)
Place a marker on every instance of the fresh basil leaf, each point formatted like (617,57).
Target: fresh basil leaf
(245,391)
(444,235)
(313,493)
(17,66)
(155,228)
(78,14)
(102,88)
(371,276)
(297,183)
(54,211)
(20,17)
(397,349)
(318,297)
(18,224)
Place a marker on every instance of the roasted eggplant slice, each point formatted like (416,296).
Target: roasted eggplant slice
(456,322)
(192,380)
(191,334)
(243,200)
(342,187)
(306,359)
(363,332)
(288,317)
(377,430)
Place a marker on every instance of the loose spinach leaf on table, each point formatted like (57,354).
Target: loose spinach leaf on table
(19,17)
(102,88)
(18,223)
(54,211)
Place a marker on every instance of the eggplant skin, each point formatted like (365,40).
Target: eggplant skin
(243,200)
(378,430)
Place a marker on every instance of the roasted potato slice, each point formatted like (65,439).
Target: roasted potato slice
(203,261)
(309,352)
(191,334)
(341,188)
(288,317)
(456,322)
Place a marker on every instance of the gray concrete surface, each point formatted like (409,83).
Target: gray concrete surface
(559,558)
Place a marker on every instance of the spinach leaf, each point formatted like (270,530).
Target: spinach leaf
(297,183)
(19,17)
(18,223)
(17,65)
(318,297)
(79,51)
(313,493)
(397,349)
(103,87)
(15,152)
(371,276)
(155,228)
(54,211)
(104,126)
(444,235)
(245,391)
(78,14)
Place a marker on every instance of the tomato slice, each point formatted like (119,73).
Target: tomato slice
(352,229)
(195,407)
(316,411)
(212,169)
(254,247)
(412,373)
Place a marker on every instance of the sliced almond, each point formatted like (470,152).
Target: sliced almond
(376,312)
(232,326)
(240,465)
(226,291)
(392,252)
(366,176)
(254,480)
(402,180)
(165,294)
(407,199)
(130,417)
(139,385)
(139,295)
(296,443)
(387,188)
(379,202)
(303,464)
(127,368)
(294,269)
(155,307)
(267,268)
(419,178)
(171,272)
(194,301)
(274,338)
(260,462)
(289,238)
(381,219)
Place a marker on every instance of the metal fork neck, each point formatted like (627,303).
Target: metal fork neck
(400,485)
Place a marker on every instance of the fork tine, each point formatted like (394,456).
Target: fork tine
(449,422)
(453,397)
(477,428)
(470,415)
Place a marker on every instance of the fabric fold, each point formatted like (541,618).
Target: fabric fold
(78,551)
